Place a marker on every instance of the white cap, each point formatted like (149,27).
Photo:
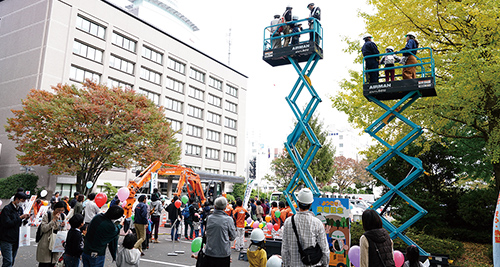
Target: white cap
(305,196)
(220,203)
(257,235)
(274,261)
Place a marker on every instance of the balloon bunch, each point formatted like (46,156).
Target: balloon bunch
(354,257)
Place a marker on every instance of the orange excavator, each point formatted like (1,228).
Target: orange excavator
(186,175)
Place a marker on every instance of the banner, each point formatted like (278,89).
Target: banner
(29,205)
(154,181)
(496,235)
(336,211)
(38,219)
(248,192)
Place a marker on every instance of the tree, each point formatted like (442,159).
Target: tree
(239,190)
(464,38)
(86,131)
(321,167)
(348,171)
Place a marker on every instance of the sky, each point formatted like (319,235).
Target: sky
(268,115)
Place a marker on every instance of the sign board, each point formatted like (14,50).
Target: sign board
(248,192)
(154,181)
(336,211)
(29,205)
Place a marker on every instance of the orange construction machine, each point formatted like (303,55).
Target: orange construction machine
(186,175)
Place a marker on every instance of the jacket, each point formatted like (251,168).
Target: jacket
(74,243)
(173,212)
(141,213)
(128,258)
(369,242)
(370,48)
(257,257)
(10,220)
(411,44)
(220,231)
(43,254)
(156,205)
(101,232)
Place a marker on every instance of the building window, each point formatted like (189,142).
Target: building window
(197,75)
(196,93)
(150,75)
(229,139)
(152,55)
(213,118)
(341,137)
(229,173)
(193,130)
(152,96)
(231,90)
(80,75)
(211,153)
(121,64)
(193,150)
(211,170)
(230,123)
(217,84)
(175,85)
(87,51)
(172,104)
(115,83)
(229,156)
(90,27)
(123,42)
(214,100)
(231,107)
(194,168)
(213,135)
(195,112)
(176,125)
(341,145)
(177,66)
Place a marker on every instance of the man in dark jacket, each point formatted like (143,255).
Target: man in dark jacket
(287,29)
(102,232)
(11,219)
(140,222)
(74,242)
(175,219)
(370,48)
(315,13)
(188,221)
(73,201)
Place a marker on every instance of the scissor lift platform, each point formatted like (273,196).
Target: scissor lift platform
(398,89)
(300,52)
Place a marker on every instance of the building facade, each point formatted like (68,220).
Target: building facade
(46,42)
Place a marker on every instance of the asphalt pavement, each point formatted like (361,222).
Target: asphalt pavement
(156,255)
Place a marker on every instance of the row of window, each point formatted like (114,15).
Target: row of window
(129,44)
(210,153)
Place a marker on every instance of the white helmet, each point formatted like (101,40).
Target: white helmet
(295,17)
(321,218)
(390,48)
(257,235)
(305,196)
(274,261)
(289,6)
(367,35)
(411,34)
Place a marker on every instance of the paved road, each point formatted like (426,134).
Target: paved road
(156,255)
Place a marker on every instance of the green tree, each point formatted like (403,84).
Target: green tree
(86,131)
(464,38)
(321,167)
(239,190)
(9,185)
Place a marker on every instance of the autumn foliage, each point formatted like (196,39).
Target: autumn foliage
(86,131)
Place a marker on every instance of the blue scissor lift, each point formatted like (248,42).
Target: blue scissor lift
(309,51)
(406,92)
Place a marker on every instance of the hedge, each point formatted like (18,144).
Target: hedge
(9,185)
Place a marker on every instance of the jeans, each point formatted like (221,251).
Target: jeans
(154,227)
(89,261)
(9,252)
(174,232)
(70,261)
(186,224)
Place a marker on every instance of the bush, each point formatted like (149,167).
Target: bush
(9,185)
(230,198)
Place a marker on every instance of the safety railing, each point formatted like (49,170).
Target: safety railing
(272,33)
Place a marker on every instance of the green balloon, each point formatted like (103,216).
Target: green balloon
(196,245)
(277,213)
(133,216)
(184,199)
(264,223)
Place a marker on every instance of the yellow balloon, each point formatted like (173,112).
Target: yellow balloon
(261,225)
(45,203)
(246,223)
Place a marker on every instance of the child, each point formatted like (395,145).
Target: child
(296,28)
(74,242)
(84,229)
(256,252)
(196,224)
(128,256)
(389,61)
(412,255)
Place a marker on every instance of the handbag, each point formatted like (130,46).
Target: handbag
(56,242)
(310,255)
(24,236)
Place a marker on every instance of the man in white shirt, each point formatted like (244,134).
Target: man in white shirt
(91,209)
(276,43)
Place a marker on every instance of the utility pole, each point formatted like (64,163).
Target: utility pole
(229,48)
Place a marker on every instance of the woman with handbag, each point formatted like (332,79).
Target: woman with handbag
(375,244)
(52,222)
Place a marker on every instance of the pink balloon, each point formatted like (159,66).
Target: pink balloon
(269,226)
(255,225)
(123,193)
(124,204)
(354,255)
(399,258)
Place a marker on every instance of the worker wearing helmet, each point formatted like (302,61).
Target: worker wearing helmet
(370,48)
(315,13)
(309,230)
(287,29)
(388,61)
(274,261)
(409,56)
(256,252)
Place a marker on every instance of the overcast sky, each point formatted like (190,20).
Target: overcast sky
(268,113)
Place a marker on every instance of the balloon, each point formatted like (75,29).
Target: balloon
(108,204)
(261,225)
(277,213)
(89,184)
(124,204)
(276,227)
(133,217)
(270,226)
(354,255)
(399,258)
(100,199)
(123,193)
(196,245)
(268,218)
(245,221)
(43,193)
(264,223)
(255,225)
(249,220)
(178,203)
(184,199)
(1,203)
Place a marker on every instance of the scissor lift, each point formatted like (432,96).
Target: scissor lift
(310,51)
(407,92)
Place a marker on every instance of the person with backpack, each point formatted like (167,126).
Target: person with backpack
(11,218)
(52,222)
(174,215)
(376,247)
(188,213)
(409,57)
(141,222)
(389,61)
(155,208)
